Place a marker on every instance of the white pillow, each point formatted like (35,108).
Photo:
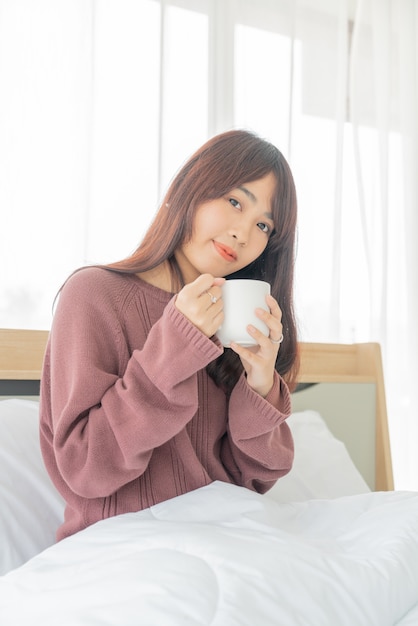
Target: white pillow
(322,467)
(30,507)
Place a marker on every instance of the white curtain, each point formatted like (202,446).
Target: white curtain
(383,96)
(102,100)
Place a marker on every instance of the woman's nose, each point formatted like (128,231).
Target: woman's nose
(240,240)
(241,233)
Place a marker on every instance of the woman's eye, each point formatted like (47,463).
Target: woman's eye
(264,227)
(235,203)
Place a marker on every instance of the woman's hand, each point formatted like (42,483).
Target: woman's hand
(201,302)
(259,361)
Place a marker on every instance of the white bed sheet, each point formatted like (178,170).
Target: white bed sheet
(410,619)
(225,556)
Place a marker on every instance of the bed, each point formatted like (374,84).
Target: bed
(331,544)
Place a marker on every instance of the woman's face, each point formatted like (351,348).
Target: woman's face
(229,232)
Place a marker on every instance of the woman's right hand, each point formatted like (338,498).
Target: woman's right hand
(201,302)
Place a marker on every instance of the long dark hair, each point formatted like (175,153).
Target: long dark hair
(224,163)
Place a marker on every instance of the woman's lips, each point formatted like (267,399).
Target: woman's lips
(225,251)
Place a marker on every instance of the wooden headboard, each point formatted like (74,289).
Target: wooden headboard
(21,354)
(355,364)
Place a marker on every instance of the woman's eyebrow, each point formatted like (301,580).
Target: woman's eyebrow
(248,193)
(253,199)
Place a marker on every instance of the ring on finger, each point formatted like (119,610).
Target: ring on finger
(213,298)
(279,340)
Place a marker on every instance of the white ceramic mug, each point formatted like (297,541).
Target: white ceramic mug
(241,297)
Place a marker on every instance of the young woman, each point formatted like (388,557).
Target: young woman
(139,400)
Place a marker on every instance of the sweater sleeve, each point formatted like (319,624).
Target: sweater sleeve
(110,409)
(259,448)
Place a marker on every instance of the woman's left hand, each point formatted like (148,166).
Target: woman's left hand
(259,361)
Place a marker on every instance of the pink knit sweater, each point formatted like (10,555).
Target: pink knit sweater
(129,416)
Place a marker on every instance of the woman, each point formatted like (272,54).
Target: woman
(139,400)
